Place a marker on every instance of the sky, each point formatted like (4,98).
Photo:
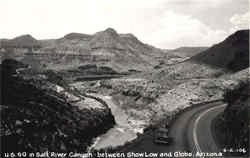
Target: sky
(162,23)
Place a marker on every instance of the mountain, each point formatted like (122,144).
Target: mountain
(107,39)
(231,54)
(121,52)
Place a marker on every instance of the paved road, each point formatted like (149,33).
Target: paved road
(191,133)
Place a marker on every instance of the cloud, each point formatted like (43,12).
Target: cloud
(182,30)
(154,21)
(46,18)
(240,21)
(207,4)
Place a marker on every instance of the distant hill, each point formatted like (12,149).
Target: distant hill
(187,51)
(232,53)
(24,41)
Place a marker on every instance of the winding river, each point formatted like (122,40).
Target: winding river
(124,130)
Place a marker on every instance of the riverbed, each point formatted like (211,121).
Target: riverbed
(125,130)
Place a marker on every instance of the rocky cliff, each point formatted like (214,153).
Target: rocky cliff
(36,117)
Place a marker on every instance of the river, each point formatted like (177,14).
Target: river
(125,129)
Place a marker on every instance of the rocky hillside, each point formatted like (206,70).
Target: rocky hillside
(37,115)
(232,53)
(196,81)
(173,87)
(121,52)
(232,127)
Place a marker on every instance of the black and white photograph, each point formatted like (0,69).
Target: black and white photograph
(124,79)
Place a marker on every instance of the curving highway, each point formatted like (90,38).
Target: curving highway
(192,133)
(200,136)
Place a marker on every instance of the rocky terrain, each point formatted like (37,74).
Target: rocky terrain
(141,84)
(190,82)
(131,95)
(121,52)
(232,127)
(39,114)
(148,97)
(196,91)
(199,66)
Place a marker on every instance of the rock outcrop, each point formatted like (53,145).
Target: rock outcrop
(34,117)
(233,125)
